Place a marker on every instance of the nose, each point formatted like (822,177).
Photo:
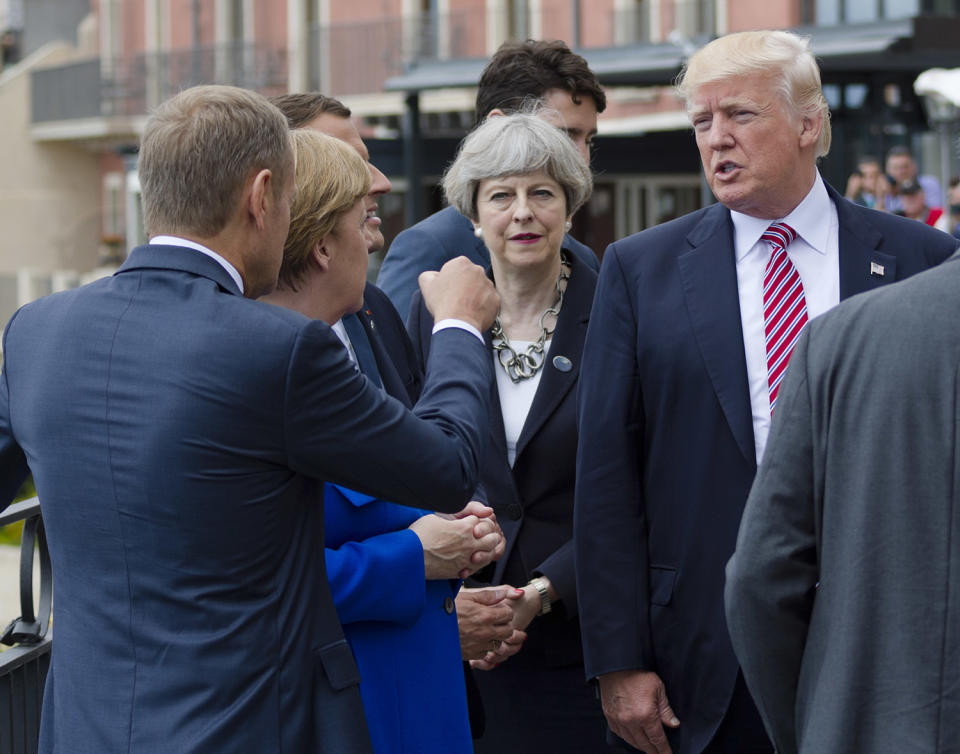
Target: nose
(521,208)
(719,136)
(583,148)
(379,183)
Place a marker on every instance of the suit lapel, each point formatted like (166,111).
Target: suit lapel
(567,342)
(862,267)
(708,274)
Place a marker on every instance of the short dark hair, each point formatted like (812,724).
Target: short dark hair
(900,151)
(302,108)
(522,71)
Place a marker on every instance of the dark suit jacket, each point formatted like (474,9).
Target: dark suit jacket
(843,597)
(397,362)
(435,240)
(667,451)
(177,433)
(534,500)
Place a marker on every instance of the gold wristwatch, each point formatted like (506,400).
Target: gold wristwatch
(540,584)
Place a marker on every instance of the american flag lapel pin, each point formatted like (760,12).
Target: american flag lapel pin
(876,269)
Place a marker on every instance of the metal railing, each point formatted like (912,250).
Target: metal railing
(23,667)
(132,85)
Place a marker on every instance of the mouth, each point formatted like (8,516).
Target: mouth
(372,217)
(525,237)
(726,168)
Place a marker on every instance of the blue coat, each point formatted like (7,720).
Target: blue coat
(402,628)
(178,434)
(435,240)
(667,454)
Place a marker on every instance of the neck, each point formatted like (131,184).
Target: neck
(308,299)
(524,295)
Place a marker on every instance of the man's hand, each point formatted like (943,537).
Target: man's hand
(506,649)
(636,707)
(460,290)
(455,548)
(482,512)
(485,618)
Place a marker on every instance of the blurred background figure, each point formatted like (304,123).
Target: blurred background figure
(902,169)
(913,204)
(953,197)
(393,570)
(868,185)
(519,180)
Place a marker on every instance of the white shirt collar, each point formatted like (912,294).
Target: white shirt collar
(185,243)
(806,218)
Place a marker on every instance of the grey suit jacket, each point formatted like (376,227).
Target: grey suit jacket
(843,595)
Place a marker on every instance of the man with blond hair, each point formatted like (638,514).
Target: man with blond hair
(690,334)
(179,434)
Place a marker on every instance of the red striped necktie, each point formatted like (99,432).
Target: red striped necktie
(784,305)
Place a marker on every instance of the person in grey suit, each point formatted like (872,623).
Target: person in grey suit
(518,74)
(843,595)
(179,435)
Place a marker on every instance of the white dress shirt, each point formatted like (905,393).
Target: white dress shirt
(816,255)
(177,241)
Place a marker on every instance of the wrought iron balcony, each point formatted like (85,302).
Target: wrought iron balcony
(23,667)
(130,86)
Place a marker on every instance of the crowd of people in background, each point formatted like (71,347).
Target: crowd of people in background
(901,189)
(699,498)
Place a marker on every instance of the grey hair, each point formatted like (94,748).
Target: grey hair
(198,150)
(780,53)
(516,144)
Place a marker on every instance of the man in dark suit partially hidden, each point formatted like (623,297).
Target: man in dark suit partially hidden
(692,327)
(179,434)
(843,597)
(518,75)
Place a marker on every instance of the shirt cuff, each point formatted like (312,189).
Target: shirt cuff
(443,324)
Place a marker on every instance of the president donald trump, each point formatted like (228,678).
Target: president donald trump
(692,327)
(179,433)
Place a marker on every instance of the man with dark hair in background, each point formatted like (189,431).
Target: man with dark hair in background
(518,75)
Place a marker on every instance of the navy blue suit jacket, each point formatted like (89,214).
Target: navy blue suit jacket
(178,434)
(432,242)
(667,454)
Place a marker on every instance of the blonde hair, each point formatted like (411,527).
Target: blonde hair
(331,177)
(781,54)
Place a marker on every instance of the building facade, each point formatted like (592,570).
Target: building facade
(408,69)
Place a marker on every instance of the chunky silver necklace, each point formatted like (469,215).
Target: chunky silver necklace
(523,366)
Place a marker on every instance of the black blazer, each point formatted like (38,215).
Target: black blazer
(666,445)
(534,499)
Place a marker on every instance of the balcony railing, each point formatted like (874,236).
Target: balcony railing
(23,667)
(132,85)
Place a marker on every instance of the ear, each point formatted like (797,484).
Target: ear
(810,127)
(495,113)
(260,196)
(321,256)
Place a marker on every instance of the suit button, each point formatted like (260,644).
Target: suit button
(514,511)
(448,605)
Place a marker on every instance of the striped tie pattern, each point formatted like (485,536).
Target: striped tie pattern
(784,305)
